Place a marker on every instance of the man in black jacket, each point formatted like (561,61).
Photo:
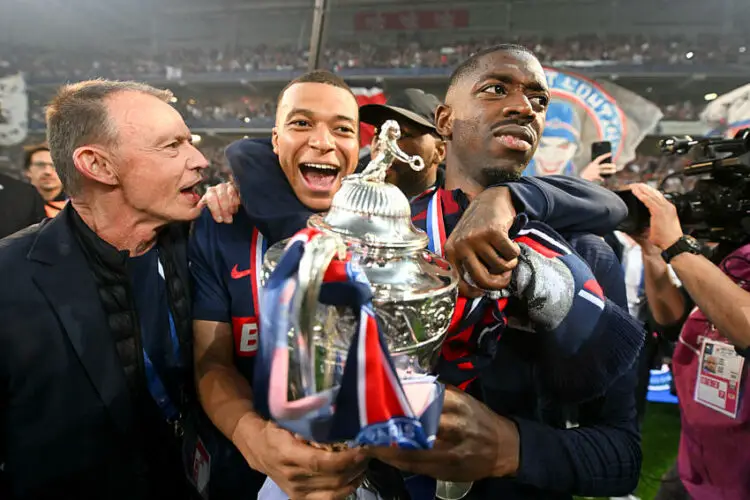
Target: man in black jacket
(95,315)
(20,205)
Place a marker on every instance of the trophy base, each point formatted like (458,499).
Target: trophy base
(448,490)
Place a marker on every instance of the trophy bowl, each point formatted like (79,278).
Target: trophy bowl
(414,290)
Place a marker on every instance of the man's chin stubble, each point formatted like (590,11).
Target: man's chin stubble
(492,176)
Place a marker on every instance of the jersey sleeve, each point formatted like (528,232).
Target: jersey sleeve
(211,300)
(568,204)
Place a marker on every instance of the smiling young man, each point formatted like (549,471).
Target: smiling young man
(315,148)
(316,143)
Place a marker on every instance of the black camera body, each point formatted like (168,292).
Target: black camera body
(718,207)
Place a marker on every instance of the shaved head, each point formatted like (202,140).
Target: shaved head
(493,116)
(472,63)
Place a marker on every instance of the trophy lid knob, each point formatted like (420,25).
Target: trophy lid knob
(369,211)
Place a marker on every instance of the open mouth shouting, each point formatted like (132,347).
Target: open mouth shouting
(191,192)
(319,177)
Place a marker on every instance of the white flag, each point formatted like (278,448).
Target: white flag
(584,111)
(14,110)
(729,113)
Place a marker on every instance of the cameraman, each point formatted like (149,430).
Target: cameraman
(708,361)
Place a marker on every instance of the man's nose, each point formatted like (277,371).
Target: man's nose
(322,139)
(519,106)
(197,160)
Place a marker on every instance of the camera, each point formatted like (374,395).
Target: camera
(718,207)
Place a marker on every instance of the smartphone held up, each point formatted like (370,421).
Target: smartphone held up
(602,148)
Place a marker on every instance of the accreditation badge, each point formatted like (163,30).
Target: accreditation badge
(201,468)
(719,382)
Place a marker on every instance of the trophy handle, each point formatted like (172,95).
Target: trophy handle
(387,145)
(319,252)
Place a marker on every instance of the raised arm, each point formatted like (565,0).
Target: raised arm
(267,197)
(568,203)
(564,203)
(724,302)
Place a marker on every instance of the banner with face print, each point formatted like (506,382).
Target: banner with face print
(584,111)
(729,113)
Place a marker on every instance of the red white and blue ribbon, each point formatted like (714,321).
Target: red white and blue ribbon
(436,224)
(370,407)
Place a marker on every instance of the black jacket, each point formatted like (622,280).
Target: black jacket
(20,205)
(69,427)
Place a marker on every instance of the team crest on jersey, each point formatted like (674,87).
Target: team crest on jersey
(580,113)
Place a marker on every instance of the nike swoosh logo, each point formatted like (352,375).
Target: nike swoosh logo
(237,274)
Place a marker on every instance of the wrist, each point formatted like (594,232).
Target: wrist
(247,432)
(509,458)
(670,241)
(682,245)
(502,197)
(680,259)
(652,253)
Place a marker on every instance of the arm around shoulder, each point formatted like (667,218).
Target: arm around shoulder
(568,204)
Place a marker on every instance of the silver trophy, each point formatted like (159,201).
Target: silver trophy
(414,290)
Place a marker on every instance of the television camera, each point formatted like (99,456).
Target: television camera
(718,207)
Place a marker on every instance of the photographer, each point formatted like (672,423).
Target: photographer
(709,358)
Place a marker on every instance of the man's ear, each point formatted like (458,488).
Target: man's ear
(95,164)
(275,140)
(444,121)
(440,150)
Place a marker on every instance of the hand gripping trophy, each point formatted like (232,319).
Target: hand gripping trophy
(355,310)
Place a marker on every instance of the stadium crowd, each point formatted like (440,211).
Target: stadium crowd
(246,111)
(406,53)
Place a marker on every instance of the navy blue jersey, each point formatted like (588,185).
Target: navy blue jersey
(226,266)
(225,261)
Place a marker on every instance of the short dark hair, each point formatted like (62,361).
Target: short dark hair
(472,62)
(30,150)
(317,76)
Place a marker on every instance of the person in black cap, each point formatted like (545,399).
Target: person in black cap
(414,110)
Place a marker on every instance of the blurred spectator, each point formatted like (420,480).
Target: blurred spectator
(227,109)
(657,171)
(684,110)
(400,53)
(218,170)
(247,111)
(39,169)
(20,205)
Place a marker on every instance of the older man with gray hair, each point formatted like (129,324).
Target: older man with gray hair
(95,321)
